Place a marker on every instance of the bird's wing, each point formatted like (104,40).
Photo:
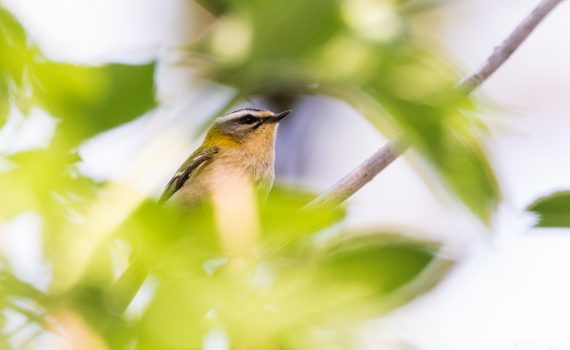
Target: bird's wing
(189,168)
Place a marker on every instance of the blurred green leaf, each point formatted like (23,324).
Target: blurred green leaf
(12,287)
(415,93)
(284,217)
(155,228)
(88,302)
(364,275)
(413,6)
(4,99)
(44,181)
(552,210)
(384,262)
(353,278)
(94,99)
(4,344)
(262,46)
(216,7)
(88,99)
(14,53)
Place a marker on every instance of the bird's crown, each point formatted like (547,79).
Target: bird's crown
(249,116)
(243,123)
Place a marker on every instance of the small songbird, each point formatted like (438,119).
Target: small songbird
(238,144)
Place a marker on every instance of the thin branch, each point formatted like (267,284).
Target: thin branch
(348,185)
(366,171)
(510,44)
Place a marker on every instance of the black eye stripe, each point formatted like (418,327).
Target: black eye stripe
(247,119)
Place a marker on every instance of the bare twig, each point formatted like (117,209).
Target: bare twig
(509,45)
(364,173)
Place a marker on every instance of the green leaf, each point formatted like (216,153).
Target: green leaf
(12,287)
(285,218)
(4,99)
(44,181)
(94,99)
(384,262)
(216,7)
(374,271)
(14,55)
(155,228)
(262,46)
(88,99)
(552,210)
(414,92)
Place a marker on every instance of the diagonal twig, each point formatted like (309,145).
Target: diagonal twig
(509,45)
(365,172)
(360,176)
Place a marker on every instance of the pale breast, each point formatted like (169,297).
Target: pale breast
(258,169)
(230,167)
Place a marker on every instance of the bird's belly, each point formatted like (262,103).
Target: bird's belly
(261,179)
(220,179)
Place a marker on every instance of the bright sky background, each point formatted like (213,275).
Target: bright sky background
(512,290)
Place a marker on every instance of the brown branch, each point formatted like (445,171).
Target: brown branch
(348,185)
(510,45)
(364,173)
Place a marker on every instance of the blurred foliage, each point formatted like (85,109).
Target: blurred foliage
(552,210)
(304,275)
(88,100)
(362,52)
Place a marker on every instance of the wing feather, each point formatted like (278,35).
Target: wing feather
(189,168)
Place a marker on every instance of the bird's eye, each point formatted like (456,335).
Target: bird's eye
(248,119)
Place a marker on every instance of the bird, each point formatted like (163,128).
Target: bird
(240,144)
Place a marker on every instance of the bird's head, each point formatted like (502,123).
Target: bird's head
(248,124)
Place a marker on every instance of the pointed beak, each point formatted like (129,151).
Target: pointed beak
(277,118)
